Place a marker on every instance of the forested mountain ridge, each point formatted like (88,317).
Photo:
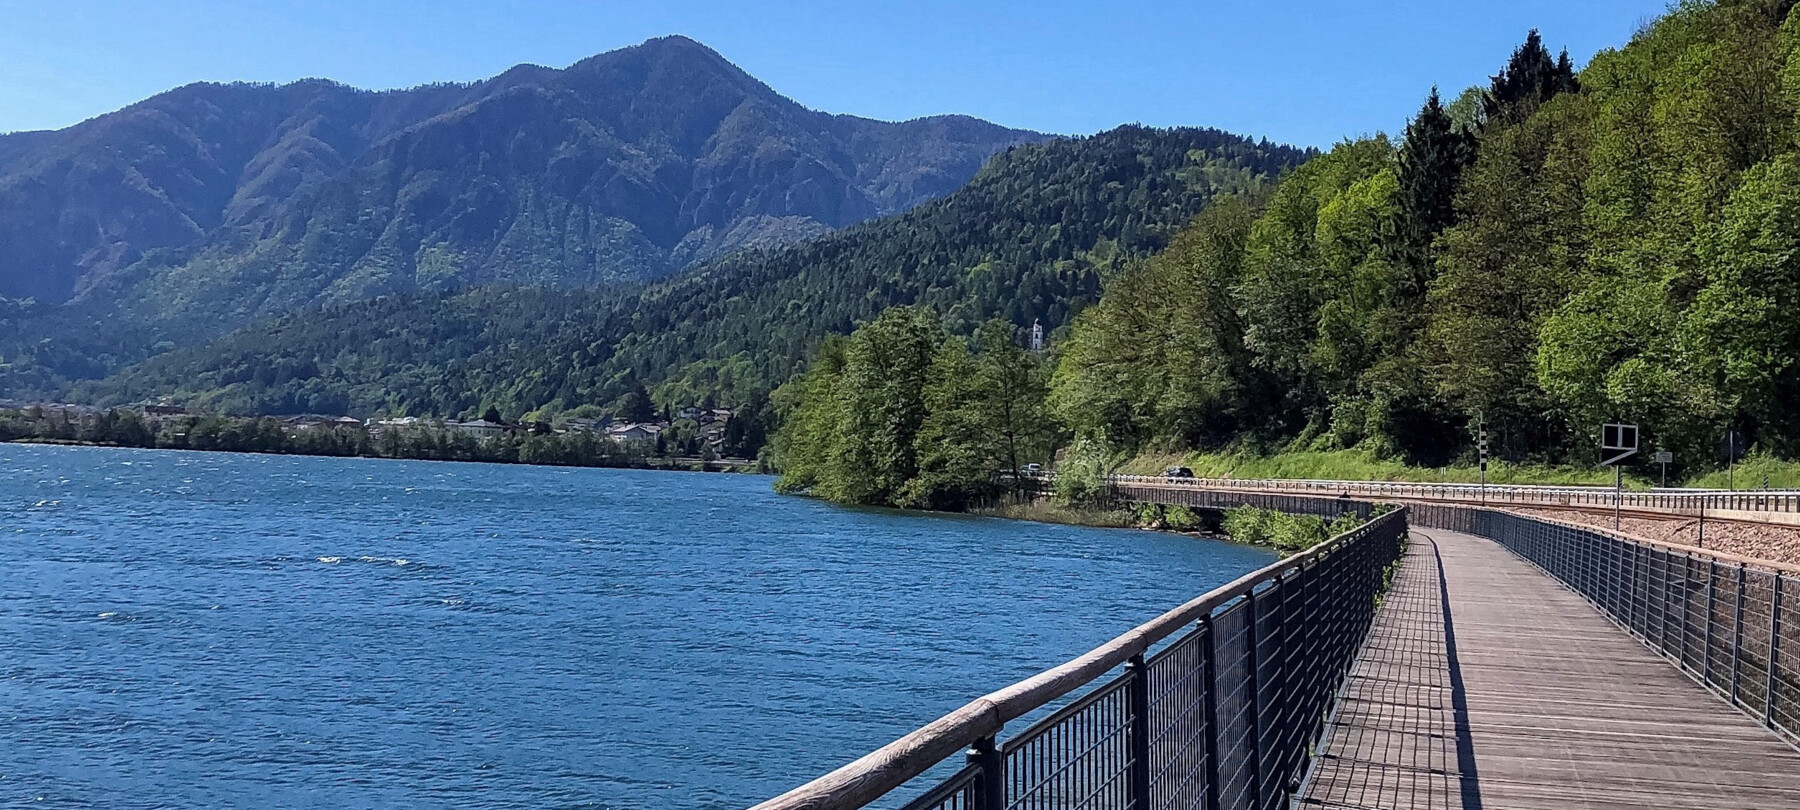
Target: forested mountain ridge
(1029,238)
(1568,248)
(213,205)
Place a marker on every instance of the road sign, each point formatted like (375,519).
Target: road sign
(1664,457)
(1617,443)
(1731,447)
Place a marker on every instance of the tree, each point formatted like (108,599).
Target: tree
(1009,396)
(1430,166)
(492,414)
(1530,78)
(635,405)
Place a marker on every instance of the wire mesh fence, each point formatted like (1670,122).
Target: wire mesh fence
(1221,718)
(1731,625)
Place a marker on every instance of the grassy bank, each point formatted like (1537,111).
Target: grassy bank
(1358,465)
(1750,474)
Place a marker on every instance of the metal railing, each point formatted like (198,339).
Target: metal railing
(1139,491)
(1662,500)
(1730,623)
(1222,717)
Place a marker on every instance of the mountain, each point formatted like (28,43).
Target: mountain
(1032,237)
(212,205)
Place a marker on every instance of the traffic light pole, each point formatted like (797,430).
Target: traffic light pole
(1482,448)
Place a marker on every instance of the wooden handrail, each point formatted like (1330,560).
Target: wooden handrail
(890,766)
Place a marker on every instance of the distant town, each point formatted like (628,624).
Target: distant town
(703,437)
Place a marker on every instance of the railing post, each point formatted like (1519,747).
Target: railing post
(990,788)
(1254,686)
(1209,707)
(1774,653)
(1737,633)
(1137,695)
(1707,638)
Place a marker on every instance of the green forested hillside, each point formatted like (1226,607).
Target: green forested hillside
(1552,251)
(1621,244)
(1030,237)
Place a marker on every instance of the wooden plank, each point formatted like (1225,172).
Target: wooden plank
(1562,709)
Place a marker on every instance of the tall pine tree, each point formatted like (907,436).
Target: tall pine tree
(1432,159)
(1530,78)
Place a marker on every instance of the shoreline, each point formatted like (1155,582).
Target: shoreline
(1043,511)
(737,466)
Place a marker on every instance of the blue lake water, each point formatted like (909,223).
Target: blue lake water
(224,630)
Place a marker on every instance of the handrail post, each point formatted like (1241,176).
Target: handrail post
(990,786)
(1774,653)
(1209,707)
(1137,694)
(1254,686)
(1712,574)
(1737,633)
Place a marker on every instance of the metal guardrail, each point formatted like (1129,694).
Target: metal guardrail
(1659,500)
(1324,507)
(1222,717)
(1732,625)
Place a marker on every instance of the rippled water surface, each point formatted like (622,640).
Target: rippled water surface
(222,630)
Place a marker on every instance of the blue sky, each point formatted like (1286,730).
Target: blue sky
(1308,72)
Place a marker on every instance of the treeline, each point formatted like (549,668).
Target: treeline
(120,428)
(903,413)
(1552,251)
(1031,237)
(1548,252)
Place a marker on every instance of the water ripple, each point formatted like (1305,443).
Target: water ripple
(191,629)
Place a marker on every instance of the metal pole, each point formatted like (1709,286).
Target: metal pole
(1706,645)
(1619,492)
(1774,654)
(1255,699)
(990,787)
(1209,700)
(1737,633)
(1137,694)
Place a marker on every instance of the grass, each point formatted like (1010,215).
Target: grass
(1360,465)
(1750,474)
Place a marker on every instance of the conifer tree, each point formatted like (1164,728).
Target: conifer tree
(1432,159)
(1529,79)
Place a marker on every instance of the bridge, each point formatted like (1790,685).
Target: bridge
(1444,654)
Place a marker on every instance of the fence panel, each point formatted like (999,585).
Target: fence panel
(1224,717)
(1729,624)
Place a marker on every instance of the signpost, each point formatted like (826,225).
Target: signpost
(1617,443)
(1730,447)
(1663,457)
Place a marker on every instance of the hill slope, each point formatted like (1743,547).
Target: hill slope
(213,205)
(1031,237)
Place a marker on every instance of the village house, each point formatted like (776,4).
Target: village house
(312,421)
(636,432)
(478,428)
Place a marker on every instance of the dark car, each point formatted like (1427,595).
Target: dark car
(1178,472)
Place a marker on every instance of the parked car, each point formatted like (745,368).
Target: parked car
(1178,472)
(1034,469)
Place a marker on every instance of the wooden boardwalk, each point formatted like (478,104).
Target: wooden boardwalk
(1487,684)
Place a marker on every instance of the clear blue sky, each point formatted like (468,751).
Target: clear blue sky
(1306,71)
